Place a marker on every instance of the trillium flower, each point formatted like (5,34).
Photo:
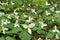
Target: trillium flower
(42,24)
(33,11)
(12,3)
(55,30)
(4,29)
(47,13)
(9,16)
(55,5)
(15,12)
(1,14)
(47,3)
(5,21)
(4,3)
(17,17)
(52,9)
(30,19)
(16,24)
(29,27)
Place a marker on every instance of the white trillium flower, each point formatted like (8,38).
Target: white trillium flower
(52,9)
(5,22)
(12,3)
(55,30)
(28,27)
(29,20)
(4,29)
(1,14)
(16,24)
(4,3)
(55,5)
(47,3)
(33,10)
(15,12)
(42,24)
(17,17)
(47,13)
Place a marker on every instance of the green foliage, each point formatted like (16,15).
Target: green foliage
(29,19)
(9,38)
(24,36)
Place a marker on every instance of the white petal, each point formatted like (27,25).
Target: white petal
(57,11)
(32,25)
(16,25)
(47,3)
(30,18)
(25,15)
(3,29)
(25,26)
(33,10)
(39,39)
(55,5)
(55,28)
(27,20)
(54,31)
(12,3)
(53,20)
(29,31)
(47,13)
(52,9)
(45,24)
(57,31)
(42,26)
(6,28)
(57,36)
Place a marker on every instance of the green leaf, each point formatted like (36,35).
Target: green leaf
(2,38)
(35,28)
(18,1)
(15,30)
(40,2)
(41,32)
(50,34)
(0,28)
(9,38)
(58,34)
(24,36)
